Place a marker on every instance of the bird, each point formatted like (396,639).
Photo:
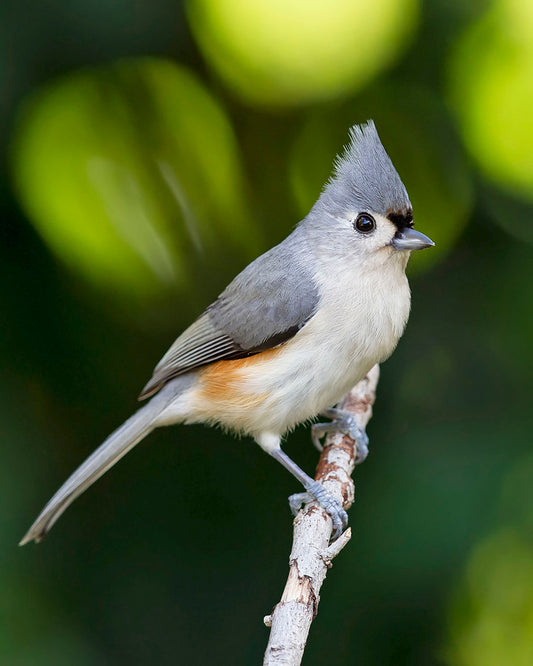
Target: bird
(291,334)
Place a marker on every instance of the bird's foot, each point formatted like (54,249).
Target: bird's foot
(316,491)
(344,422)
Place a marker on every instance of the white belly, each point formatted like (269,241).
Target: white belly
(321,364)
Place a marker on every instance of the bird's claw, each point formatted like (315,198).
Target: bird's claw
(315,491)
(343,422)
(298,500)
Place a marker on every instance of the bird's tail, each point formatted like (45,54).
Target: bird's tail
(130,433)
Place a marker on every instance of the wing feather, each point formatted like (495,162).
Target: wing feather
(264,306)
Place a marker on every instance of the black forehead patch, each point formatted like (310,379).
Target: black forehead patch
(402,219)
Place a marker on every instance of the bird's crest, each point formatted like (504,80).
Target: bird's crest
(365,177)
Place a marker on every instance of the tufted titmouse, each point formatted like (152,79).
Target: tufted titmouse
(292,333)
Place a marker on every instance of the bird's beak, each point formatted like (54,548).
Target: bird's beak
(410,239)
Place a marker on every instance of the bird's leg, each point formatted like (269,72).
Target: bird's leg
(344,422)
(315,491)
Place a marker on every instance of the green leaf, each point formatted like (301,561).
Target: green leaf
(129,171)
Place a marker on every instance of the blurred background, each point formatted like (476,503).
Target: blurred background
(149,151)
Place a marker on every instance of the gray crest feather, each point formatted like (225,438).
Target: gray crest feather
(365,176)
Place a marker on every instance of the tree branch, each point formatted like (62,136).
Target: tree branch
(311,553)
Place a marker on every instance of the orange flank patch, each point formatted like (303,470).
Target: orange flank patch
(225,381)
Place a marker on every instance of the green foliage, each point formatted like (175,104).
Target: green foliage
(112,164)
(492,621)
(274,53)
(491,84)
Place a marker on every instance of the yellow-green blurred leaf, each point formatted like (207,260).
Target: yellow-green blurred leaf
(492,617)
(129,169)
(491,88)
(283,53)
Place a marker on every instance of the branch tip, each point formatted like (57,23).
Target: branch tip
(335,548)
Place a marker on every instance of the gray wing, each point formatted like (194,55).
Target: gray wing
(264,306)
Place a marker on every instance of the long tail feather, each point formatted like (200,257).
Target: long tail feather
(130,433)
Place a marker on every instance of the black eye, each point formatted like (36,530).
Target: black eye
(365,223)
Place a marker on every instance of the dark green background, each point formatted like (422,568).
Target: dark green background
(176,555)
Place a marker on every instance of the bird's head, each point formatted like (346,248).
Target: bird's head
(365,205)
